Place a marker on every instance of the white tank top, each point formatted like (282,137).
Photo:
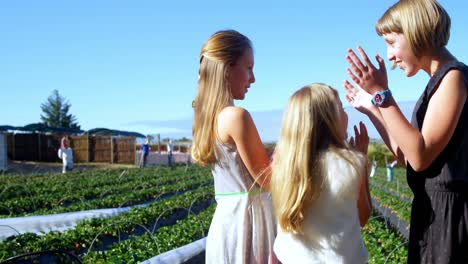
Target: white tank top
(332,232)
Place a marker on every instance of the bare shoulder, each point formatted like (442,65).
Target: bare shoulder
(451,93)
(232,113)
(454,79)
(231,120)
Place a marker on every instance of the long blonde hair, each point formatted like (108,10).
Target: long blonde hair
(424,23)
(222,50)
(311,126)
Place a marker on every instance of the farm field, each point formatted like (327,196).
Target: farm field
(159,209)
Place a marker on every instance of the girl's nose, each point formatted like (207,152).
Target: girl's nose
(390,55)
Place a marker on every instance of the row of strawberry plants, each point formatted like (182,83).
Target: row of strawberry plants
(36,184)
(386,234)
(117,200)
(398,207)
(94,181)
(105,175)
(127,195)
(398,184)
(109,230)
(390,192)
(392,205)
(383,244)
(146,246)
(391,219)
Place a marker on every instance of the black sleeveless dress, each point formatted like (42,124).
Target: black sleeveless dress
(439,213)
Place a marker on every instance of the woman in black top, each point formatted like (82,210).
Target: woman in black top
(435,144)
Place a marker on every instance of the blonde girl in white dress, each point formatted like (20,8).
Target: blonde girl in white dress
(225,137)
(319,183)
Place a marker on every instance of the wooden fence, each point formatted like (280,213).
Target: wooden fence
(3,152)
(177,146)
(40,147)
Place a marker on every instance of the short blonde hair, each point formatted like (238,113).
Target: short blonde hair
(311,127)
(424,23)
(222,50)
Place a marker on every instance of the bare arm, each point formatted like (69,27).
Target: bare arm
(379,124)
(235,126)
(364,203)
(443,113)
(420,148)
(361,100)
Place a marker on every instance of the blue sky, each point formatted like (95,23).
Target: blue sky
(132,65)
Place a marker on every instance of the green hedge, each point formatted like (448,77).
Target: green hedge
(380,153)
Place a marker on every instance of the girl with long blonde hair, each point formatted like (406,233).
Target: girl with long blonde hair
(225,138)
(319,183)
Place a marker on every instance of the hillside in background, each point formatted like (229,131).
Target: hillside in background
(269,122)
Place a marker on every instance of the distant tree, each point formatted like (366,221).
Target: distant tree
(184,139)
(55,112)
(380,153)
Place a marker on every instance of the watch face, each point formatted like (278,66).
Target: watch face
(378,98)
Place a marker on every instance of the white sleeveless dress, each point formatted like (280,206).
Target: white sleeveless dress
(243,228)
(332,232)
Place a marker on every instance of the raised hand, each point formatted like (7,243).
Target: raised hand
(366,75)
(360,141)
(358,98)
